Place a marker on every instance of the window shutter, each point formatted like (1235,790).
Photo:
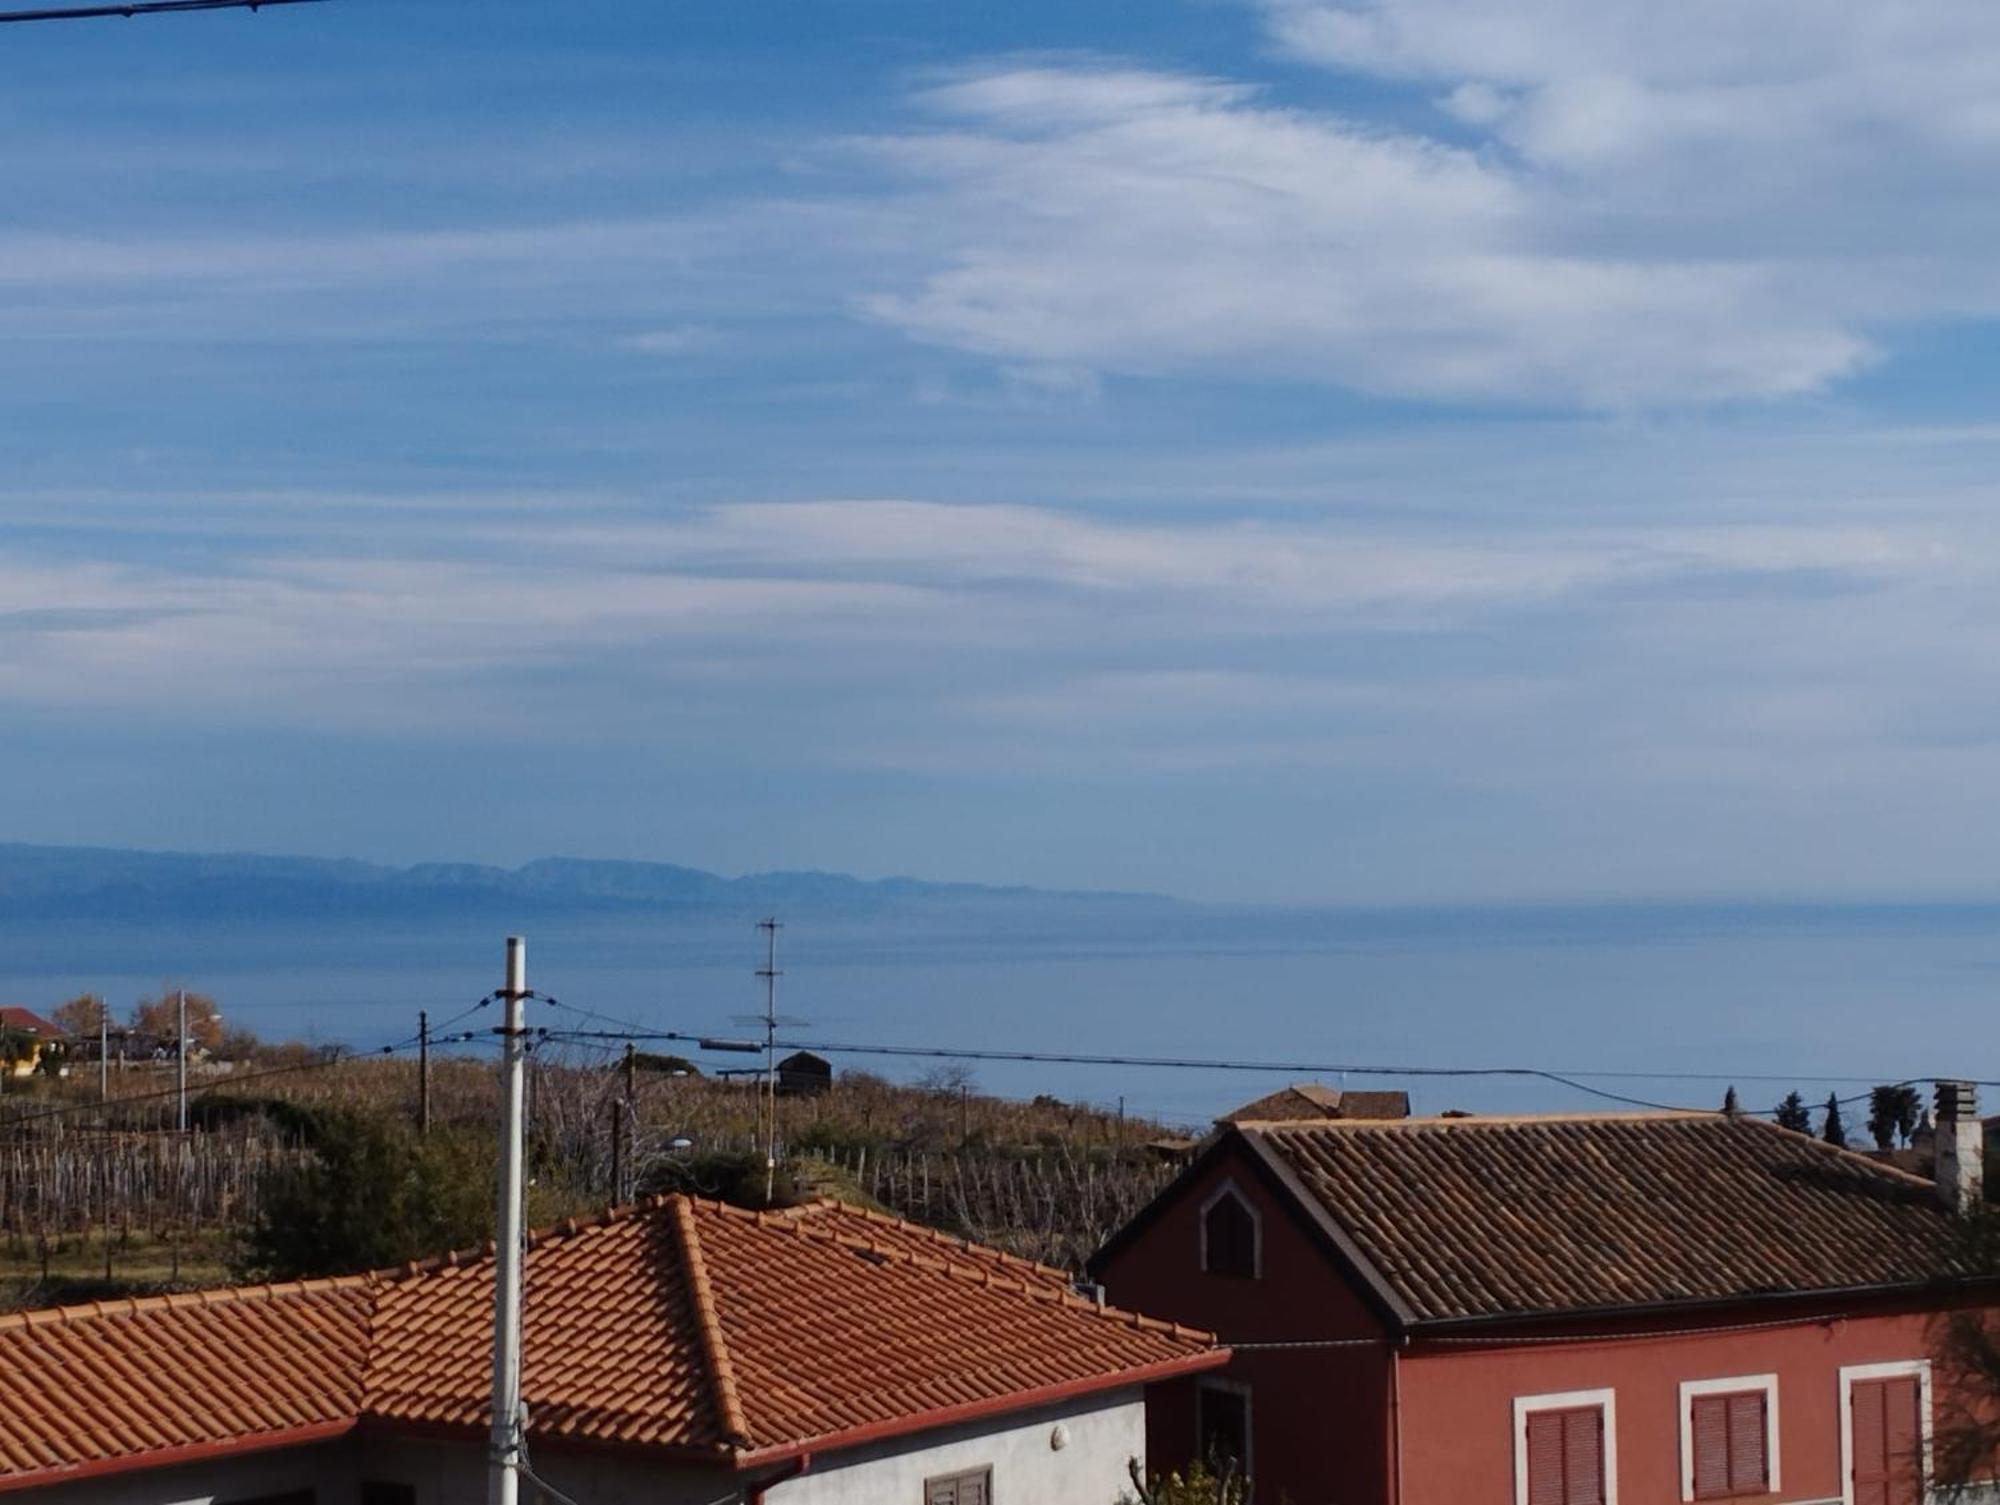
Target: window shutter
(942,1492)
(1749,1469)
(1545,1458)
(1583,1457)
(1709,1429)
(972,1489)
(1871,1462)
(1903,1439)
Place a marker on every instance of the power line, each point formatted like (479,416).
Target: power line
(340,1058)
(1293,1068)
(140,8)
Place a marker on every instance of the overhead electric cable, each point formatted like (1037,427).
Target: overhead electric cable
(139,8)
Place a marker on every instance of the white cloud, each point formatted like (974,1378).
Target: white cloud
(1160,225)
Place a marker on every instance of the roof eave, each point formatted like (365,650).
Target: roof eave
(1703,1306)
(194,1452)
(982,1410)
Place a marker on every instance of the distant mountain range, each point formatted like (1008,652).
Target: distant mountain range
(108,884)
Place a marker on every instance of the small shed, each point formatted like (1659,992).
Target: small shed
(803,1074)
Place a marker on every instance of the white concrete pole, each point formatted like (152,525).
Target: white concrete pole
(103,1053)
(503,1473)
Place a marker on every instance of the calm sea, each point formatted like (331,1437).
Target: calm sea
(1766,997)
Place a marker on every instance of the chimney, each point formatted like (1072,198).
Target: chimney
(1961,1145)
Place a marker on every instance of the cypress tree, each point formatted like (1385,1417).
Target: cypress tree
(1835,1132)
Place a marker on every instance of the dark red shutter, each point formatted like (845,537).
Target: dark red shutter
(1566,1457)
(1888,1441)
(1545,1458)
(1749,1467)
(1709,1432)
(1583,1457)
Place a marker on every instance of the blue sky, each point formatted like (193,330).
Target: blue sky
(1288,450)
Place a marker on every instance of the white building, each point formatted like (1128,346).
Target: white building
(680,1353)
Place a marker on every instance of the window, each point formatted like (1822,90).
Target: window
(972,1488)
(1222,1425)
(1729,1437)
(1885,1433)
(1566,1449)
(1229,1235)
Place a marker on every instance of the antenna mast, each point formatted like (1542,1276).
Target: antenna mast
(769,972)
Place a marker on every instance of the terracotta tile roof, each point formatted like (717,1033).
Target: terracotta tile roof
(1479,1217)
(681,1324)
(12,1016)
(1309,1100)
(83,1385)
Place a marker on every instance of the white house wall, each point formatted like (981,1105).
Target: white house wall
(327,1468)
(1099,1435)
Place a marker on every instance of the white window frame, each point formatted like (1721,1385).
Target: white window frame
(1734,1385)
(1566,1400)
(1896,1369)
(1229,1189)
(1232,1387)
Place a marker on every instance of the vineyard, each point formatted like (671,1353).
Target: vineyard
(101,1192)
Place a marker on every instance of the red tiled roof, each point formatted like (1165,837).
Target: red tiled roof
(13,1016)
(1316,1100)
(85,1385)
(1482,1217)
(682,1324)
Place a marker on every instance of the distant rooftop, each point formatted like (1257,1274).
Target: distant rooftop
(1316,1100)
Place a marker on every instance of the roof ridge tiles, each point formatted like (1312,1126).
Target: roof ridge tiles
(708,1324)
(160,1301)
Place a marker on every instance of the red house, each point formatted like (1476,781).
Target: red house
(1602,1310)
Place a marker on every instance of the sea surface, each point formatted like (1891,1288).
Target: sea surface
(1664,1004)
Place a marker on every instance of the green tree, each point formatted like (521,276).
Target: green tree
(1792,1114)
(1893,1111)
(1834,1132)
(373,1193)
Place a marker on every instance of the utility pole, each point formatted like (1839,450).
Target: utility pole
(181,1059)
(617,1151)
(631,1073)
(423,1071)
(769,972)
(504,1467)
(103,1053)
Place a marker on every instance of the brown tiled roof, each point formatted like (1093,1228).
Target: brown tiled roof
(1316,1100)
(681,1324)
(1481,1217)
(13,1016)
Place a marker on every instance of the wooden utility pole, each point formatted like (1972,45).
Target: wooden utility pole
(423,1071)
(181,1060)
(618,1132)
